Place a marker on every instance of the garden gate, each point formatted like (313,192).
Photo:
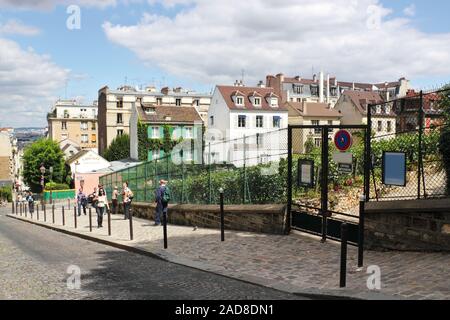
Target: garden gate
(324,182)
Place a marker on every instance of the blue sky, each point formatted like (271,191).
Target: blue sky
(199,53)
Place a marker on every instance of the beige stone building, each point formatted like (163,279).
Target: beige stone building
(69,120)
(6,160)
(115,107)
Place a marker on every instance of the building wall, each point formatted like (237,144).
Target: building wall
(5,168)
(6,157)
(74,132)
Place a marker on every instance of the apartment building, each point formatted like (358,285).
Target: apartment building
(327,89)
(116,107)
(69,120)
(183,124)
(255,113)
(7,165)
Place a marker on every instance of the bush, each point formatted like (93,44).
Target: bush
(118,149)
(6,193)
(56,186)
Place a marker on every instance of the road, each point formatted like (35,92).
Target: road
(34,264)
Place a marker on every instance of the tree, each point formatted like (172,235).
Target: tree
(118,149)
(48,153)
(444,142)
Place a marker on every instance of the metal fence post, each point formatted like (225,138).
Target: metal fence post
(53,213)
(63,217)
(75,216)
(324,184)
(368,155)
(344,237)
(25,209)
(90,219)
(362,202)
(209,174)
(165,229)
(130,216)
(182,176)
(245,173)
(222,216)
(419,151)
(37,212)
(45,213)
(109,222)
(12,207)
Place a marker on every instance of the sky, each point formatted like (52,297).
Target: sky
(52,49)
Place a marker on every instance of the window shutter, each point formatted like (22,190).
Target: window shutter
(171,129)
(149,132)
(161,132)
(150,155)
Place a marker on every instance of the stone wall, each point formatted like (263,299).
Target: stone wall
(269,219)
(418,225)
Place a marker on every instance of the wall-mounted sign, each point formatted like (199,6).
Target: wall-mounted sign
(346,168)
(343,157)
(343,140)
(305,176)
(394,169)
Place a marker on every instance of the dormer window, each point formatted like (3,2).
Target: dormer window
(378,109)
(239,101)
(274,102)
(257,101)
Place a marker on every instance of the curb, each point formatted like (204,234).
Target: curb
(312,293)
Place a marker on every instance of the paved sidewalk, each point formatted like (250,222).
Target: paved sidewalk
(295,263)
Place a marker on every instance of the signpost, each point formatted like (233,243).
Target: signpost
(343,141)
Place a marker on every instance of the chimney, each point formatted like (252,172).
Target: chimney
(353,86)
(165,91)
(261,84)
(280,76)
(328,88)
(314,78)
(321,87)
(298,78)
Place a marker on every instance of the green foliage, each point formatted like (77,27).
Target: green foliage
(145,144)
(56,186)
(6,193)
(47,152)
(119,149)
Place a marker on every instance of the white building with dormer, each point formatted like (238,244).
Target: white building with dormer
(255,113)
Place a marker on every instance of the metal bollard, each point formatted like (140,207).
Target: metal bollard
(222,217)
(45,213)
(165,229)
(131,224)
(68,204)
(53,213)
(63,217)
(75,217)
(31,211)
(109,222)
(21,208)
(12,209)
(25,209)
(37,212)
(90,220)
(362,202)
(344,238)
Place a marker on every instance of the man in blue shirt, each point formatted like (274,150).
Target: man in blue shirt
(161,199)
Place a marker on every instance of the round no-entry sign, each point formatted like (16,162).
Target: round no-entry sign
(343,140)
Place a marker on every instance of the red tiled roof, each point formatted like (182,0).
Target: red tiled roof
(314,109)
(362,98)
(168,114)
(228,92)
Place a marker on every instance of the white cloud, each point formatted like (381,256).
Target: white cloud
(12,27)
(211,41)
(410,11)
(49,4)
(29,82)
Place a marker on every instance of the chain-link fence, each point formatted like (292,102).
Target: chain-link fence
(251,170)
(411,125)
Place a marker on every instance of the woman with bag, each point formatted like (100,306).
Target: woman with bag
(102,203)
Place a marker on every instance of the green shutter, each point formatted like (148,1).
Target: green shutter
(161,153)
(161,132)
(149,132)
(171,129)
(150,155)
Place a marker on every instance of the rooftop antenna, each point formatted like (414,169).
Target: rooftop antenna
(126,80)
(242,75)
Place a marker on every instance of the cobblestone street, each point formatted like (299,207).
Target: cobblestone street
(34,264)
(294,263)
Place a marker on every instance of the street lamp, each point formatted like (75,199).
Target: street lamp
(51,189)
(42,169)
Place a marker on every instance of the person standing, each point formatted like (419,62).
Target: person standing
(102,204)
(30,200)
(162,198)
(127,196)
(114,199)
(81,202)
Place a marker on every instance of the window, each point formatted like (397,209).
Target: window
(259,121)
(187,155)
(94,126)
(314,90)
(273,102)
(276,121)
(389,126)
(159,101)
(94,138)
(211,120)
(120,133)
(84,125)
(119,118)
(257,102)
(241,121)
(298,89)
(178,102)
(333,91)
(64,125)
(317,142)
(258,139)
(196,102)
(84,138)
(239,101)
(379,126)
(188,133)
(316,123)
(64,136)
(388,109)
(120,104)
(155,132)
(155,154)
(378,109)
(299,99)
